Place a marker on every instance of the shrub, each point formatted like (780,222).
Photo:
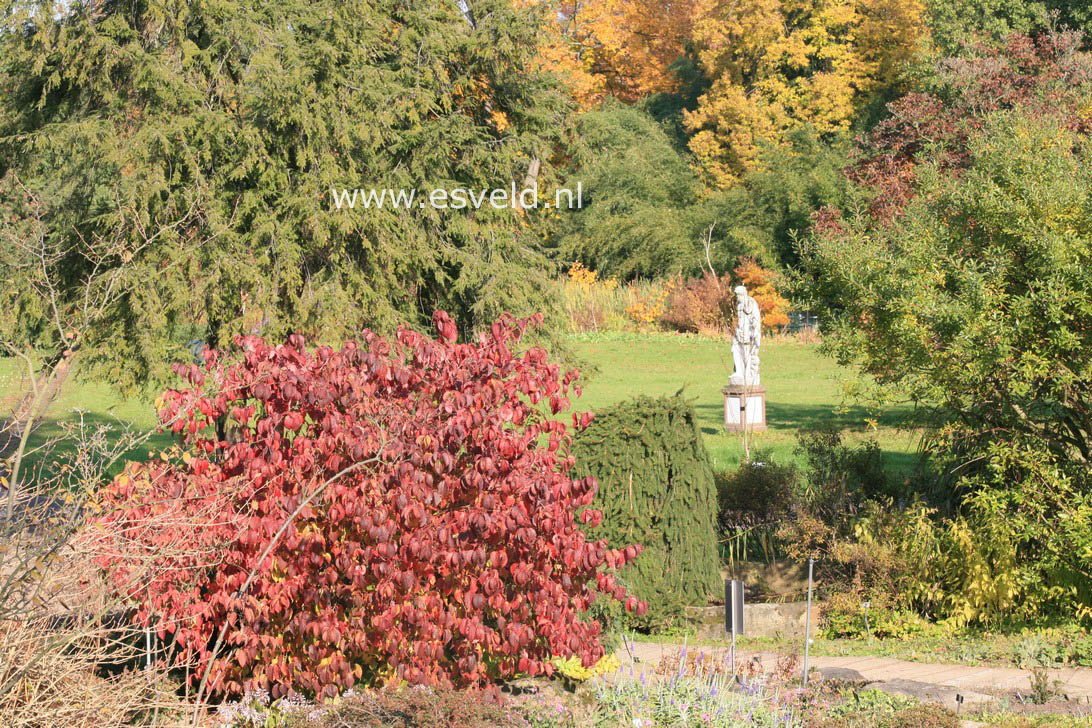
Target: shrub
(420,708)
(572,672)
(753,501)
(700,305)
(393,511)
(762,286)
(839,477)
(592,303)
(416,707)
(655,486)
(704,699)
(757,494)
(50,676)
(875,709)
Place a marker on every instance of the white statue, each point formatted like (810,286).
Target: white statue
(747,339)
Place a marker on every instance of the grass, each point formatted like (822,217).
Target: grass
(803,390)
(96,403)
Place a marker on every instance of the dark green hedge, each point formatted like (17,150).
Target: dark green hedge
(656,488)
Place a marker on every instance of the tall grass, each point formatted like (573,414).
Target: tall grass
(594,304)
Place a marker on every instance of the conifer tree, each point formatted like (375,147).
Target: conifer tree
(186,152)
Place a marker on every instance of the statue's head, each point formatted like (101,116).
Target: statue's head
(746,304)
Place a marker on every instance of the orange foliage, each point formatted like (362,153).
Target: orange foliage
(704,305)
(619,48)
(762,286)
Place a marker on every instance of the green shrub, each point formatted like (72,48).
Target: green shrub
(752,502)
(875,709)
(655,488)
(845,618)
(838,476)
(759,493)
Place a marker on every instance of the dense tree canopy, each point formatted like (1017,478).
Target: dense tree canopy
(198,143)
(777,65)
(636,188)
(619,48)
(954,23)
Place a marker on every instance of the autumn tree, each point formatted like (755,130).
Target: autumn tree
(776,66)
(618,48)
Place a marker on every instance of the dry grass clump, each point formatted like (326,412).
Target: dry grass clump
(49,678)
(421,708)
(69,656)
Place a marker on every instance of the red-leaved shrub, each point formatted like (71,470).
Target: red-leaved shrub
(447,551)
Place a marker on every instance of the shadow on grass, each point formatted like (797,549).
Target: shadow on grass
(794,418)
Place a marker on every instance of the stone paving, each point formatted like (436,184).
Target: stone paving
(1074,682)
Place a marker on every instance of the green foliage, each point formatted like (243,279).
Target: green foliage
(837,473)
(879,623)
(773,205)
(954,23)
(655,488)
(187,153)
(759,492)
(635,186)
(977,301)
(877,709)
(643,216)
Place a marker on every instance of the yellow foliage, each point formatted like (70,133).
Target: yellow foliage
(986,574)
(585,278)
(648,309)
(778,64)
(572,669)
(595,304)
(619,48)
(500,121)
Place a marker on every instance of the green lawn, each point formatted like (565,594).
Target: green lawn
(97,404)
(803,390)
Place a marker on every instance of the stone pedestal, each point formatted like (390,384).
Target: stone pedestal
(744,407)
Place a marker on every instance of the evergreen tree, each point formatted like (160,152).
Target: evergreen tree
(636,188)
(185,153)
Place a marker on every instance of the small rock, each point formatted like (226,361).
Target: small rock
(946,695)
(844,674)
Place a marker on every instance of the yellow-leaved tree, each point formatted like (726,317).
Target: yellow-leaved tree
(778,64)
(619,48)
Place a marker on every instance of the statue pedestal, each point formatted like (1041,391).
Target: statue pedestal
(744,407)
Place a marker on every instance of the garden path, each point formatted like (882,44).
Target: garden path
(1074,682)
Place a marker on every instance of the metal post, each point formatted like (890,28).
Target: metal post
(807,623)
(733,648)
